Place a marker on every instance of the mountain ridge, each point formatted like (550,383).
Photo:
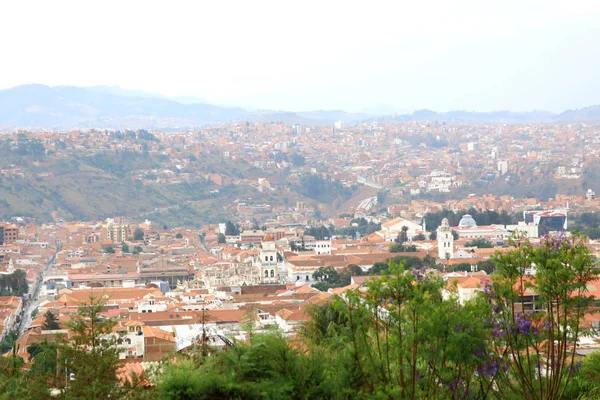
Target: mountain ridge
(41,106)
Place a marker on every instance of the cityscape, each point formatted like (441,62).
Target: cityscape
(235,237)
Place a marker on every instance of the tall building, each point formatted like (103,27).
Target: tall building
(445,240)
(267,259)
(8,233)
(116,233)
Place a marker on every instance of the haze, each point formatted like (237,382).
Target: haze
(473,55)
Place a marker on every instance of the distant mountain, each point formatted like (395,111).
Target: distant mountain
(64,107)
(591,113)
(68,106)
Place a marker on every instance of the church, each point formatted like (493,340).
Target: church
(267,260)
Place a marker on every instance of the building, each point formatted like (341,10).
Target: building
(116,233)
(267,260)
(8,233)
(445,240)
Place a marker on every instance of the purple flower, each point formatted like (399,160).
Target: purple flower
(524,326)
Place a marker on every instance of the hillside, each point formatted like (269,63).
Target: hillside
(42,106)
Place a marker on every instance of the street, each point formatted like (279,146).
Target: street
(33,302)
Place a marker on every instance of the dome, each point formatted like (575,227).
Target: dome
(467,221)
(268,238)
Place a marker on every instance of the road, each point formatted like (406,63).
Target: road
(33,302)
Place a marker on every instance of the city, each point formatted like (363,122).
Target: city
(325,200)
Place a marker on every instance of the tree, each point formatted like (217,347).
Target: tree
(402,248)
(108,249)
(179,235)
(125,247)
(403,235)
(419,237)
(433,235)
(91,353)
(138,234)
(137,250)
(231,229)
(355,270)
(50,321)
(534,338)
(221,238)
(45,358)
(480,243)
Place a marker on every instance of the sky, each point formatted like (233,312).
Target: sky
(304,55)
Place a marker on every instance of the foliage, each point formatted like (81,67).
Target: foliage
(487,217)
(221,238)
(480,243)
(324,191)
(328,277)
(125,247)
(14,284)
(419,237)
(50,321)
(402,236)
(231,229)
(534,336)
(14,384)
(364,228)
(108,249)
(45,359)
(179,235)
(138,234)
(265,367)
(402,248)
(91,354)
(319,233)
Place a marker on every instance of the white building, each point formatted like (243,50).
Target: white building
(267,260)
(445,240)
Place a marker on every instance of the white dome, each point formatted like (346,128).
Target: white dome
(467,221)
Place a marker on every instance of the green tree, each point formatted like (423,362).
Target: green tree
(108,249)
(231,229)
(419,237)
(538,317)
(179,235)
(45,359)
(15,384)
(402,248)
(480,243)
(138,234)
(125,247)
(221,238)
(91,353)
(50,321)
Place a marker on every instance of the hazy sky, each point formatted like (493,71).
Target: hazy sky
(300,55)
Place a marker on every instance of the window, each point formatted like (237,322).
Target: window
(266,258)
(266,273)
(271,258)
(307,278)
(272,273)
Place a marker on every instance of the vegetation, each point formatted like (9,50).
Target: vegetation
(328,277)
(480,243)
(487,217)
(402,248)
(138,234)
(231,229)
(399,339)
(14,284)
(50,322)
(324,191)
(364,228)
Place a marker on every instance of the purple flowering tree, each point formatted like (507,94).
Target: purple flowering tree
(537,303)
